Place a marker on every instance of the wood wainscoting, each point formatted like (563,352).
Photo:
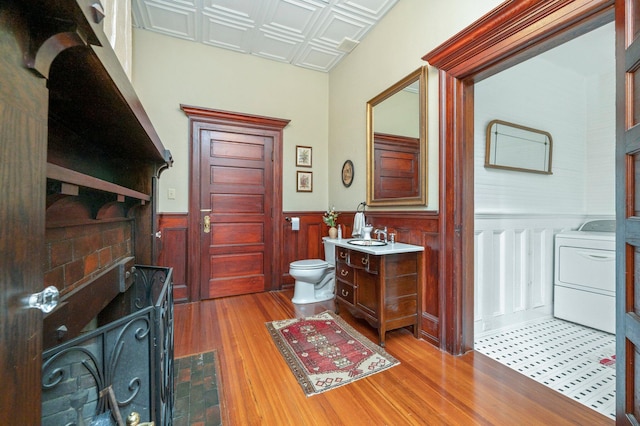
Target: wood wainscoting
(413,227)
(174,252)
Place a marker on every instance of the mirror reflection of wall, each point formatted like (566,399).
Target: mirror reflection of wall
(396,138)
(400,113)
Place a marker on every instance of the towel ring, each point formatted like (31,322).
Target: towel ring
(363,205)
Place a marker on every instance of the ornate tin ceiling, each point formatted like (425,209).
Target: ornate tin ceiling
(314,34)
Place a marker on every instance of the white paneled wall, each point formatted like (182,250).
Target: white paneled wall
(514,267)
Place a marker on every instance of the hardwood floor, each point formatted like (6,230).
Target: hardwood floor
(429,387)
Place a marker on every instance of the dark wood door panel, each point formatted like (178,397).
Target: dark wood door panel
(229,175)
(231,204)
(239,264)
(239,233)
(397,163)
(236,146)
(233,287)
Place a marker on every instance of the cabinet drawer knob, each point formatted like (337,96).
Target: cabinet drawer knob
(344,273)
(365,260)
(344,293)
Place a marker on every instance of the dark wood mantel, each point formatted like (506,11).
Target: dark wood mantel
(79,161)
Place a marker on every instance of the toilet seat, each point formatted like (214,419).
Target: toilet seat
(309,264)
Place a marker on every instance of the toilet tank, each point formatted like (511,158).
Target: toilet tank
(329,250)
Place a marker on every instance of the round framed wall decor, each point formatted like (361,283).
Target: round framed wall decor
(347,173)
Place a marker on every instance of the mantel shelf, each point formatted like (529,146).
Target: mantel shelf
(80,179)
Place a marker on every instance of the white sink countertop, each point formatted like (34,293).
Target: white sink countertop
(394,248)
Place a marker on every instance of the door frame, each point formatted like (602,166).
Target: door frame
(506,36)
(201,117)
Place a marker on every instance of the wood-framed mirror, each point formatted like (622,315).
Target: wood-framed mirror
(519,148)
(397,143)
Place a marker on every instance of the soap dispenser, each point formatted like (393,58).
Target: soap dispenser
(367,231)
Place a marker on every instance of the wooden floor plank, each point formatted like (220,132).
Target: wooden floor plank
(428,387)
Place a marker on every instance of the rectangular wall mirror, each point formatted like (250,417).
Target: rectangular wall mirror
(396,143)
(514,147)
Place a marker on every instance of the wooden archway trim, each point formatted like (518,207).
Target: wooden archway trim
(497,38)
(511,33)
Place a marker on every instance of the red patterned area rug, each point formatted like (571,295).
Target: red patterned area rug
(324,352)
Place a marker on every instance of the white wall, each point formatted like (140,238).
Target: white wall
(168,72)
(601,134)
(579,112)
(542,96)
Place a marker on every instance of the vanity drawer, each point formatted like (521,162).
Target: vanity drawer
(344,272)
(374,264)
(364,261)
(344,291)
(358,259)
(343,254)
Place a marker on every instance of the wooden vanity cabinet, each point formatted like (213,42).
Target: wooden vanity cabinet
(383,290)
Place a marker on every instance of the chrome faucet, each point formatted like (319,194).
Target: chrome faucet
(379,232)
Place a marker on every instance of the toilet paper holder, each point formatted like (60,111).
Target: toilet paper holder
(295,223)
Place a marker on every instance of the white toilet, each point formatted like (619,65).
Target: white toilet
(315,278)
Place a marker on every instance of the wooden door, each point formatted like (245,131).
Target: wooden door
(236,186)
(236,197)
(628,214)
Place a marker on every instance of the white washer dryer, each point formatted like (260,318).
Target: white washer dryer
(585,275)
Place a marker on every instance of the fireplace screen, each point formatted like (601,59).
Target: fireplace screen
(123,366)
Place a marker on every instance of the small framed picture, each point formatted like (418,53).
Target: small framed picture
(305,181)
(303,156)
